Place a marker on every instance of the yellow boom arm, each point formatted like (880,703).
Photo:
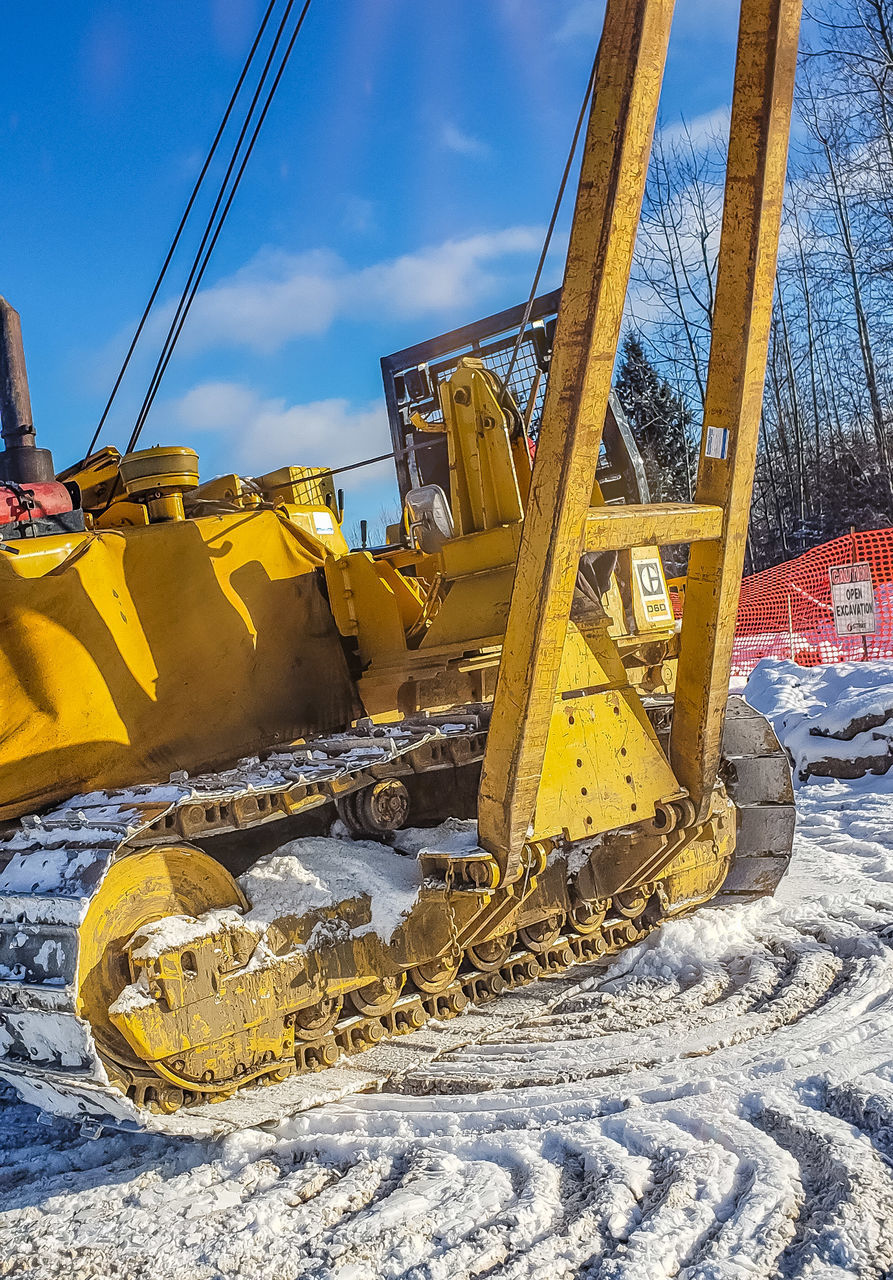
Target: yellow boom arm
(539,701)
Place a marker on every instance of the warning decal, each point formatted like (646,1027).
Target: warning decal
(852,599)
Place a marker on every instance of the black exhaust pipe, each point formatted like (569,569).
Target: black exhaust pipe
(21,462)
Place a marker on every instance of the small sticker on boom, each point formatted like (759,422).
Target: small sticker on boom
(653,589)
(717,445)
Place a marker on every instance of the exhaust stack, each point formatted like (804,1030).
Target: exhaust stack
(21,462)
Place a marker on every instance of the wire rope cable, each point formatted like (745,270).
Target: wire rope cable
(212,231)
(181,226)
(562,186)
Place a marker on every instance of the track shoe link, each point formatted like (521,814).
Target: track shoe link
(757,776)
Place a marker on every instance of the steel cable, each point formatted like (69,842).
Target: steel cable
(551,227)
(182,224)
(206,246)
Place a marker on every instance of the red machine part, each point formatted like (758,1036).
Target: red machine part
(21,503)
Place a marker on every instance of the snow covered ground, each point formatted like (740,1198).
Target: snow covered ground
(718,1103)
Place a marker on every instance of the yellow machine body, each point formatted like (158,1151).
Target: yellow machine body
(128,654)
(434,640)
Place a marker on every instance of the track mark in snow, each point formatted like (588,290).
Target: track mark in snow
(846,1223)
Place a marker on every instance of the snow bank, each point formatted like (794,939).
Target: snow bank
(834,721)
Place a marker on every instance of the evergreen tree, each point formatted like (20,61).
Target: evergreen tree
(660,422)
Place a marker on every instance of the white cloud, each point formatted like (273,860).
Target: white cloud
(258,434)
(464,144)
(457,273)
(699,131)
(278,297)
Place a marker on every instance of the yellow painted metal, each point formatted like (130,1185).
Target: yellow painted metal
(661,524)
(299,486)
(137,889)
(628,76)
(40,556)
(373,601)
(165,506)
(121,513)
(320,524)
(483,483)
(603,766)
(128,654)
(95,477)
(158,469)
(206,1018)
(231,489)
(405,633)
(652,609)
(495,548)
(758,146)
(461,594)
(474,613)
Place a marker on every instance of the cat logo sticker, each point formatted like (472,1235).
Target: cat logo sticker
(653,588)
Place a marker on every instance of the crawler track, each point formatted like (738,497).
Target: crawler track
(56,864)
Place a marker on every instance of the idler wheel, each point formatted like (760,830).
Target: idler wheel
(491,954)
(587,918)
(319,1019)
(435,977)
(378,997)
(137,889)
(170,1100)
(541,935)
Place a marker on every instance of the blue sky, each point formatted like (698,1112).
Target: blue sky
(399,188)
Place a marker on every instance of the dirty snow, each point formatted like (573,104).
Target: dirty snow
(717,1104)
(317,872)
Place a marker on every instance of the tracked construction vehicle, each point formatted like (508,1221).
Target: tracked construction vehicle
(199,679)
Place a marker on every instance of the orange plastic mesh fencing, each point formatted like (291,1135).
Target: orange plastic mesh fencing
(786,611)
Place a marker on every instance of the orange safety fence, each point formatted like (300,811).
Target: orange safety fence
(786,611)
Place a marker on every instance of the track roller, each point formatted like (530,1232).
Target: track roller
(435,977)
(492,954)
(378,997)
(541,935)
(319,1019)
(375,810)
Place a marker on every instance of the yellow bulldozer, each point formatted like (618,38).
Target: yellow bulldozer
(200,679)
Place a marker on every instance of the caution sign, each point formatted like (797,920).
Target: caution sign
(852,599)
